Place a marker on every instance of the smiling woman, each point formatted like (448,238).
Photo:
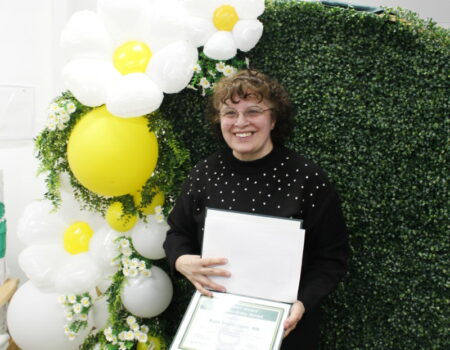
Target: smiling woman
(255,173)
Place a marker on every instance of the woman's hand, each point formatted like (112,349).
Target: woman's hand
(197,271)
(296,314)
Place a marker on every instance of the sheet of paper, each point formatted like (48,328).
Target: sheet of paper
(231,322)
(264,253)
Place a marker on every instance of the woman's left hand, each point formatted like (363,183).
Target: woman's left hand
(296,314)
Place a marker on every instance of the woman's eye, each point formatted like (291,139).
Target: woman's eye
(253,112)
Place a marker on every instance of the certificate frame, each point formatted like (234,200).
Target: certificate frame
(231,322)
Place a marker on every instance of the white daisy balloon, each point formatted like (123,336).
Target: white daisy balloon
(223,26)
(127,54)
(63,253)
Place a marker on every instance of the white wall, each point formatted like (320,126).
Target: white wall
(29,34)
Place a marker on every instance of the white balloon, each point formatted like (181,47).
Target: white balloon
(249,9)
(172,67)
(79,274)
(220,46)
(103,248)
(148,239)
(38,225)
(85,36)
(134,95)
(36,320)
(120,18)
(40,264)
(100,312)
(247,33)
(89,79)
(199,29)
(147,296)
(200,8)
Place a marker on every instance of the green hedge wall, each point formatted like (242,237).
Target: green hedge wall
(372,108)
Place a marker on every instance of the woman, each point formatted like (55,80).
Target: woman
(257,174)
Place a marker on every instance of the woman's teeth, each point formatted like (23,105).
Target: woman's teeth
(243,134)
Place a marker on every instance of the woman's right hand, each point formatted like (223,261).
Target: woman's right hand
(197,270)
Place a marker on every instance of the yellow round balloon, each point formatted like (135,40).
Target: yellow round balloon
(112,156)
(117,221)
(158,199)
(132,57)
(153,343)
(225,17)
(77,237)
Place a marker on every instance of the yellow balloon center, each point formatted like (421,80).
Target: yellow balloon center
(132,57)
(225,17)
(77,237)
(112,156)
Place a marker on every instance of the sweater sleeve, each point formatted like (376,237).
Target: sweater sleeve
(326,247)
(181,237)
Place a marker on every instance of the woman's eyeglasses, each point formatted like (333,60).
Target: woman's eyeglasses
(252,112)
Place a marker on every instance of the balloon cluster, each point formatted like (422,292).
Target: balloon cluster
(103,136)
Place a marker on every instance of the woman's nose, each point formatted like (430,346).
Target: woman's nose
(241,120)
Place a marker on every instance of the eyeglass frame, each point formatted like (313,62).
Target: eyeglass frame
(244,113)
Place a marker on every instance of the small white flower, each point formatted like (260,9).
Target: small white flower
(70,107)
(72,298)
(125,271)
(122,335)
(122,346)
(85,302)
(142,265)
(146,273)
(141,337)
(131,320)
(127,251)
(132,272)
(204,83)
(159,218)
(66,329)
(61,126)
(134,327)
(111,338)
(144,328)
(197,68)
(53,107)
(158,209)
(62,299)
(83,317)
(107,331)
(125,261)
(72,336)
(220,67)
(134,263)
(77,308)
(124,243)
(129,335)
(229,70)
(51,125)
(69,316)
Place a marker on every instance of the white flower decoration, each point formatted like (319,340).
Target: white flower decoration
(68,251)
(127,54)
(223,26)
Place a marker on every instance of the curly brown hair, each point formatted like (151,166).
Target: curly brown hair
(246,83)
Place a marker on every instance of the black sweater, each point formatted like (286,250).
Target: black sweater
(283,183)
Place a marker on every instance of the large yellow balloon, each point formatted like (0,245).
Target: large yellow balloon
(112,156)
(158,199)
(118,221)
(77,237)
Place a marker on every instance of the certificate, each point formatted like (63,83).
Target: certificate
(231,322)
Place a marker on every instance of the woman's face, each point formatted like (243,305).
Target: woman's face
(246,127)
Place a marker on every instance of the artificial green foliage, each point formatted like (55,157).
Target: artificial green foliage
(372,102)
